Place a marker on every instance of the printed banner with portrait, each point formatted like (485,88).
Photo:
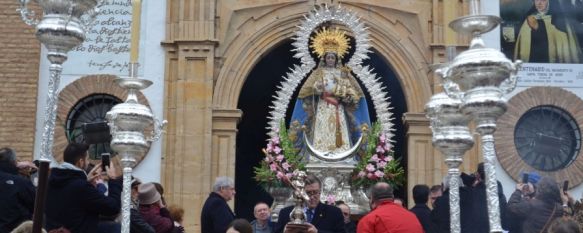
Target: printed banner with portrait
(547,35)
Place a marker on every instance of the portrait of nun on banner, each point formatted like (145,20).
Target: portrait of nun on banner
(543,31)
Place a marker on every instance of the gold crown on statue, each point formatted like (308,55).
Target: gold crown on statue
(326,41)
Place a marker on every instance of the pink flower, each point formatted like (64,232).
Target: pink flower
(379,174)
(382,164)
(277,150)
(268,158)
(380,149)
(273,167)
(269,148)
(389,158)
(280,175)
(382,138)
(275,140)
(289,175)
(286,166)
(279,158)
(361,174)
(370,167)
(370,176)
(388,147)
(374,158)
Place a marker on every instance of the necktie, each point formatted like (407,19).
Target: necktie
(309,215)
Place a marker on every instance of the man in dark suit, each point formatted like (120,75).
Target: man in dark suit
(321,218)
(421,210)
(216,214)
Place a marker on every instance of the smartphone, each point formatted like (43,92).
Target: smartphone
(525,178)
(105,160)
(565,186)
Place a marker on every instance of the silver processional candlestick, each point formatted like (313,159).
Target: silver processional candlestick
(128,121)
(480,77)
(61,28)
(452,138)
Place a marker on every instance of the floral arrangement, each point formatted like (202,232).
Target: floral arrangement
(377,163)
(281,160)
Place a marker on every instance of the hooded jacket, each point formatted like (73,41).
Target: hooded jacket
(74,203)
(17,200)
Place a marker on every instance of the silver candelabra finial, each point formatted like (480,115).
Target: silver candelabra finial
(452,138)
(127,122)
(480,77)
(61,28)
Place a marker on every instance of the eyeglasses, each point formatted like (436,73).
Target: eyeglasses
(313,193)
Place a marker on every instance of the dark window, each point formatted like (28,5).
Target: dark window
(547,138)
(91,109)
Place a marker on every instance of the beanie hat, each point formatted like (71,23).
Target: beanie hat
(147,194)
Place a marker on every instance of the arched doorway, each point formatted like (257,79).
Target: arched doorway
(255,99)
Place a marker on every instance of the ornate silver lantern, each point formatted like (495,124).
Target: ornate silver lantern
(452,138)
(127,122)
(481,77)
(61,28)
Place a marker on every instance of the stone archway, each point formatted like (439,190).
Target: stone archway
(406,58)
(398,40)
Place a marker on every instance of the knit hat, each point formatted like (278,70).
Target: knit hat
(147,194)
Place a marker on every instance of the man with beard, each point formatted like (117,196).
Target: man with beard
(73,202)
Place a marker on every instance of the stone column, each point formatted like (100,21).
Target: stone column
(424,164)
(188,169)
(223,142)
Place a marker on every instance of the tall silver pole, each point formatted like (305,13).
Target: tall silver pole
(452,137)
(481,77)
(61,28)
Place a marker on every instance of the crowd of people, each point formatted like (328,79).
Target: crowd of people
(537,205)
(81,198)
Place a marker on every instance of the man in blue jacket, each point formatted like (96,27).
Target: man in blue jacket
(73,202)
(216,214)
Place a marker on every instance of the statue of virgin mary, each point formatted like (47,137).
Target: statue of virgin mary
(331,107)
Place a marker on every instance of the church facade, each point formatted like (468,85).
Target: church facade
(202,56)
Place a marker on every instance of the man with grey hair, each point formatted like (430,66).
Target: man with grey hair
(216,214)
(386,216)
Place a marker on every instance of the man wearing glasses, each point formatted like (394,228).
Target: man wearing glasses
(321,218)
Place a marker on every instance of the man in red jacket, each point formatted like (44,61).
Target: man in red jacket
(386,216)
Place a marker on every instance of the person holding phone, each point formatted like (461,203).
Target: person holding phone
(537,213)
(72,200)
(568,201)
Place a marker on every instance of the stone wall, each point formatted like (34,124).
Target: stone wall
(19,62)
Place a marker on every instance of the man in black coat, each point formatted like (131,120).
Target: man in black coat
(16,193)
(324,218)
(479,205)
(216,214)
(421,210)
(73,202)
(440,213)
